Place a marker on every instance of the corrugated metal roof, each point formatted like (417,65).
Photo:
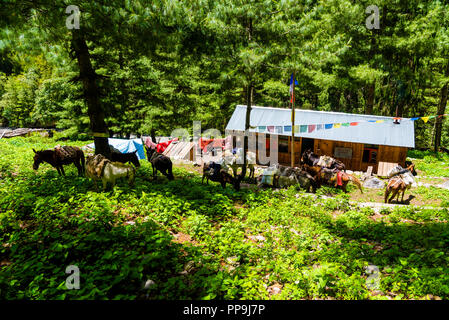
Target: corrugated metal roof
(386,133)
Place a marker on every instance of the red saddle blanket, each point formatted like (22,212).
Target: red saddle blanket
(339,180)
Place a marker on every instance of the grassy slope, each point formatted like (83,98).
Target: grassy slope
(198,241)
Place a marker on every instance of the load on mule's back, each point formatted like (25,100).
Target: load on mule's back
(60,156)
(215,172)
(400,180)
(312,159)
(99,167)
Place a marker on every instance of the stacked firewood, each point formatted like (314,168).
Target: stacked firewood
(9,133)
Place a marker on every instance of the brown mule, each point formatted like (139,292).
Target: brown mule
(330,177)
(396,185)
(60,156)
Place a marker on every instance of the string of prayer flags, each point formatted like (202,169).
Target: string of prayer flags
(309,128)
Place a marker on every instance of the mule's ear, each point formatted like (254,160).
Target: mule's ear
(34,151)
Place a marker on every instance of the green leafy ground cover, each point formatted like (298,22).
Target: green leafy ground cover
(430,163)
(202,242)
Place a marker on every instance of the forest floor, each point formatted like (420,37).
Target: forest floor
(181,239)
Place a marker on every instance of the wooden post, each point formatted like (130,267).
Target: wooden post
(293,124)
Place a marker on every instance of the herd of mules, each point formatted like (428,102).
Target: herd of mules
(314,171)
(98,167)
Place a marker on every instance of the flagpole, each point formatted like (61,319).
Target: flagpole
(293,124)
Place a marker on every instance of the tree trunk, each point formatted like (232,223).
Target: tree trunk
(249,94)
(441,109)
(91,94)
(153,135)
(369,98)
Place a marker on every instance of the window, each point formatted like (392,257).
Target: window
(370,153)
(283,144)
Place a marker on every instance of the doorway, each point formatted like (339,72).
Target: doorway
(307,143)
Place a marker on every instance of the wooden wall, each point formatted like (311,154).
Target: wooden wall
(327,147)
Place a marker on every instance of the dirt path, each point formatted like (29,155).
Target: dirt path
(377,206)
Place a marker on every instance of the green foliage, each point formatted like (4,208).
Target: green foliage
(165,65)
(228,244)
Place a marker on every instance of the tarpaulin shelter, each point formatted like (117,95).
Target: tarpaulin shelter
(208,144)
(161,146)
(125,146)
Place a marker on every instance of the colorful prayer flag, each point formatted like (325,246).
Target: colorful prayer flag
(288,128)
(296,127)
(379,121)
(337,125)
(319,127)
(278,129)
(354,123)
(328,126)
(414,119)
(311,128)
(303,128)
(262,128)
(346,124)
(270,128)
(425,119)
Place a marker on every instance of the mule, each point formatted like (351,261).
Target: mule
(126,157)
(287,176)
(214,172)
(60,156)
(332,177)
(100,168)
(400,180)
(161,163)
(312,159)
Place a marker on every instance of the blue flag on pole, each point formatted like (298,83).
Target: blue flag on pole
(291,87)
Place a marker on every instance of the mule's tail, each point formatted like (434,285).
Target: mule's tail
(83,162)
(170,172)
(356,182)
